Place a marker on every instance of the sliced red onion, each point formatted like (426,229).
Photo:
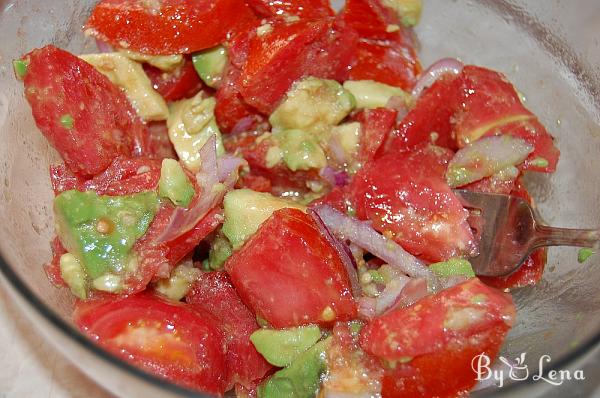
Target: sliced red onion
(334,147)
(439,68)
(215,178)
(486,157)
(343,251)
(243,125)
(449,281)
(367,307)
(333,177)
(363,235)
(390,295)
(103,46)
(414,290)
(399,105)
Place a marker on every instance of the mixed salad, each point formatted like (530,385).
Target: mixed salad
(257,195)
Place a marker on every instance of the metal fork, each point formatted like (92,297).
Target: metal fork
(508,230)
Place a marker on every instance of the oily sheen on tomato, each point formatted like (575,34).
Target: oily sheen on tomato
(306,9)
(287,51)
(406,196)
(184,82)
(214,293)
(459,109)
(80,112)
(290,275)
(433,342)
(168,26)
(165,338)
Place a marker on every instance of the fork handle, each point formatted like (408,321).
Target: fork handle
(551,236)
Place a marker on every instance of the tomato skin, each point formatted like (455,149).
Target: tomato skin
(181,345)
(432,113)
(406,194)
(214,293)
(392,62)
(182,83)
(290,51)
(478,102)
(440,338)
(124,176)
(288,273)
(231,110)
(386,57)
(104,124)
(306,9)
(376,126)
(157,260)
(177,27)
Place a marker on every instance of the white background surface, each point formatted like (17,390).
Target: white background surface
(30,367)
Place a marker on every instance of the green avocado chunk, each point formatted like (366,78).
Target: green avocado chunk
(101,230)
(220,250)
(281,347)
(245,210)
(209,65)
(453,267)
(174,184)
(300,150)
(313,105)
(299,380)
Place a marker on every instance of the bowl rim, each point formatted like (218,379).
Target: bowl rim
(69,331)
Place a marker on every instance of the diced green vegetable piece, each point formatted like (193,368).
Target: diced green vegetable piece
(539,162)
(245,210)
(73,274)
(584,254)
(101,230)
(191,123)
(372,94)
(486,157)
(209,65)
(178,284)
(67,121)
(453,267)
(301,379)
(281,347)
(20,67)
(130,76)
(376,276)
(313,105)
(409,11)
(301,151)
(174,184)
(220,250)
(110,283)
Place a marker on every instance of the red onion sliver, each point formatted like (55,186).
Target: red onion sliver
(214,183)
(103,46)
(366,237)
(413,291)
(343,251)
(333,177)
(437,69)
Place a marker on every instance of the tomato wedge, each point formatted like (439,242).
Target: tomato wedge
(165,338)
(165,27)
(214,293)
(125,176)
(290,275)
(309,9)
(386,50)
(184,82)
(406,195)
(433,342)
(431,118)
(80,112)
(376,126)
(287,51)
(457,110)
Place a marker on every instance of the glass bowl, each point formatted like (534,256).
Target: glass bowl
(549,49)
